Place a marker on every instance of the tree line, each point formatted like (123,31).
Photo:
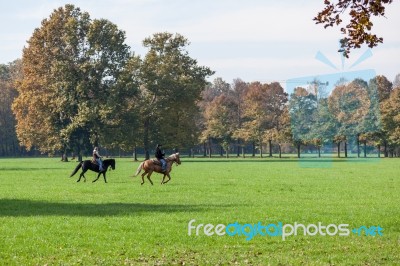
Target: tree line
(355,112)
(78,85)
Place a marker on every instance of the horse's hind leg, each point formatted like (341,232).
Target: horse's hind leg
(80,176)
(148,177)
(143,177)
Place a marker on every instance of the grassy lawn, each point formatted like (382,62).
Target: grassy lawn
(48,218)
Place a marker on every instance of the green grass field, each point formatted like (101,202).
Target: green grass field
(47,218)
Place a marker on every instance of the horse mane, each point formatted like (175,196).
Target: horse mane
(173,156)
(110,160)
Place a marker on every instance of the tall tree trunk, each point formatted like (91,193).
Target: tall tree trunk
(280,150)
(345,149)
(338,149)
(146,138)
(270,147)
(379,151)
(238,148)
(298,150)
(209,147)
(80,154)
(385,149)
(135,153)
(204,149)
(319,151)
(254,149)
(261,150)
(365,149)
(221,151)
(358,145)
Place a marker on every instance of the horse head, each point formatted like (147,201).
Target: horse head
(112,164)
(177,160)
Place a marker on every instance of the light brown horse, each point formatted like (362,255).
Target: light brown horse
(153,165)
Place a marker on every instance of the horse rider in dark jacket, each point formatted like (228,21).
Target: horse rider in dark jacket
(160,156)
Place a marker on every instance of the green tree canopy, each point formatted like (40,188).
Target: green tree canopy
(69,93)
(171,85)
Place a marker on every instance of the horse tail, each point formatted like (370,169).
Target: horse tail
(76,169)
(139,169)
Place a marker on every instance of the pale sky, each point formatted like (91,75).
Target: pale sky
(255,40)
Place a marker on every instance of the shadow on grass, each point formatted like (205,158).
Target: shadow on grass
(21,208)
(27,168)
(268,160)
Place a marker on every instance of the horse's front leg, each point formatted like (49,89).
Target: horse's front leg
(104,175)
(162,181)
(96,178)
(169,178)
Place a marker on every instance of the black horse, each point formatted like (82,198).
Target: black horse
(89,165)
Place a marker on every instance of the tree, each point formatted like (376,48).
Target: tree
(282,132)
(239,89)
(69,92)
(127,134)
(302,108)
(212,90)
(254,122)
(382,86)
(350,105)
(171,85)
(9,74)
(276,106)
(391,118)
(324,126)
(221,120)
(357,31)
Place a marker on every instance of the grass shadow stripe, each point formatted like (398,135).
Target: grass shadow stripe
(21,208)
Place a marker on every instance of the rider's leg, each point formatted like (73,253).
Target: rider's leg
(164,165)
(100,164)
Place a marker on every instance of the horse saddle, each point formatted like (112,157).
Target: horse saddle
(156,162)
